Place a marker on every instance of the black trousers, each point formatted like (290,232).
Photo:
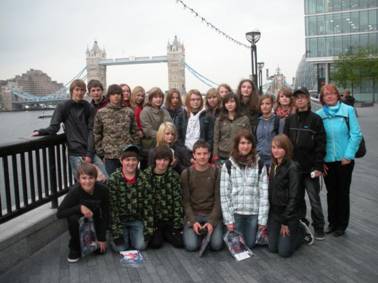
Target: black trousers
(73,229)
(166,232)
(312,187)
(284,246)
(338,180)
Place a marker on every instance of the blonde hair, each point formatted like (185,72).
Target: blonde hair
(134,93)
(163,128)
(282,141)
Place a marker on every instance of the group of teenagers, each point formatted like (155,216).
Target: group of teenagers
(237,162)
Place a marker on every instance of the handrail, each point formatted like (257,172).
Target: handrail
(33,173)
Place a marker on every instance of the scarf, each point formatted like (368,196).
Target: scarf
(193,130)
(283,113)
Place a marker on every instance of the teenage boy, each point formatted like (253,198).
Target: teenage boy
(193,124)
(131,223)
(114,128)
(306,132)
(77,115)
(201,200)
(88,199)
(164,200)
(95,91)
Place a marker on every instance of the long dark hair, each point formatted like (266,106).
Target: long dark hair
(250,159)
(253,99)
(227,98)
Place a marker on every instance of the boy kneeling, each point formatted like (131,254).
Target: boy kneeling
(128,187)
(201,201)
(87,198)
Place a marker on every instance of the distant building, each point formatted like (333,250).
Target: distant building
(33,82)
(333,27)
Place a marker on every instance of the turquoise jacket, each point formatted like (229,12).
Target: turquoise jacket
(342,143)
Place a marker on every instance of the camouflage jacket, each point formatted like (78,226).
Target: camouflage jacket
(165,197)
(114,128)
(129,203)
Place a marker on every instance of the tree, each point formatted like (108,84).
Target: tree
(352,68)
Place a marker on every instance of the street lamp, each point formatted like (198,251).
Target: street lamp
(253,37)
(260,66)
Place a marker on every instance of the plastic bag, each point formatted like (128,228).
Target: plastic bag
(88,238)
(236,245)
(262,237)
(132,258)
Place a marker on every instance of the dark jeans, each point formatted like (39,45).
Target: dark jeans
(165,231)
(312,187)
(73,229)
(338,180)
(192,241)
(284,246)
(247,226)
(112,165)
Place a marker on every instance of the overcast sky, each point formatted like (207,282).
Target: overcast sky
(52,36)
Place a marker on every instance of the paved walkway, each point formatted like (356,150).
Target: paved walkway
(352,258)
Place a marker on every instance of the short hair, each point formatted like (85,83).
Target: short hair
(201,144)
(155,91)
(94,83)
(243,133)
(189,95)
(77,83)
(165,126)
(253,100)
(134,93)
(171,92)
(114,89)
(86,169)
(162,152)
(265,97)
(130,153)
(282,141)
(328,87)
(213,92)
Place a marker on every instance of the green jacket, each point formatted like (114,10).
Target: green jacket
(129,203)
(165,197)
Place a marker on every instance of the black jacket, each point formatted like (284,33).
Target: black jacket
(78,120)
(306,132)
(284,193)
(98,203)
(206,127)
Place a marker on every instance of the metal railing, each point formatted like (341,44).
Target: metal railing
(33,173)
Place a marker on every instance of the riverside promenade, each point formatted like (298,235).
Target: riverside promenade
(351,258)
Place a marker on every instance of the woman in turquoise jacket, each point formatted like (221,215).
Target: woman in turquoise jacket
(343,139)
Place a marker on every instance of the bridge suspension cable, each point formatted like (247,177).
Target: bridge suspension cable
(210,25)
(201,77)
(78,76)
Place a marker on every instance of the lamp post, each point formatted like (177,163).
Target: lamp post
(260,66)
(253,37)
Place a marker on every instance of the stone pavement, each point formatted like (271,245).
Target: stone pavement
(352,258)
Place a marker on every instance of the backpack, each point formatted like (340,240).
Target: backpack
(361,151)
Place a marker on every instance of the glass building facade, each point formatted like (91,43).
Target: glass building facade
(334,27)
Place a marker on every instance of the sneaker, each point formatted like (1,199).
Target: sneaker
(338,233)
(308,237)
(319,235)
(330,230)
(73,256)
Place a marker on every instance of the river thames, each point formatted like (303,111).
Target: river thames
(18,126)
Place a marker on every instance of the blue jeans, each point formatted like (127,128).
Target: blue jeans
(247,226)
(284,246)
(133,237)
(192,241)
(76,161)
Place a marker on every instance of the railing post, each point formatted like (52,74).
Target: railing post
(52,172)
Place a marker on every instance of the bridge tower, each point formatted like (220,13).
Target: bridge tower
(95,71)
(176,65)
